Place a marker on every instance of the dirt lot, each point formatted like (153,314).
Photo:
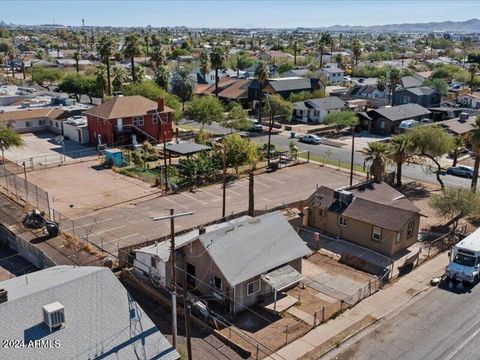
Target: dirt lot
(87,194)
(271,331)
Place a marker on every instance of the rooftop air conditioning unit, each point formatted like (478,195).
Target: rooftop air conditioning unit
(54,315)
(463,116)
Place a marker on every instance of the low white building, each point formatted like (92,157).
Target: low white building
(315,110)
(76,128)
(333,74)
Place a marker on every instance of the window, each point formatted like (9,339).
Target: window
(155,119)
(51,123)
(342,221)
(398,237)
(410,230)
(56,124)
(382,124)
(253,287)
(217,283)
(321,212)
(376,233)
(153,262)
(41,122)
(137,120)
(28,124)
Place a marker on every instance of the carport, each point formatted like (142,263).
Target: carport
(185,149)
(282,278)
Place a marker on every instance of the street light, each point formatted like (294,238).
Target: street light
(224,157)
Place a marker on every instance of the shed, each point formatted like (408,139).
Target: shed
(114,157)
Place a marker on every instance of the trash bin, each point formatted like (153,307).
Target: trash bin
(292,135)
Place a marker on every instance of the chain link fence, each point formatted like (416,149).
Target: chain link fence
(53,160)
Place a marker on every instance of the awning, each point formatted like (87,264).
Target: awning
(185,149)
(282,278)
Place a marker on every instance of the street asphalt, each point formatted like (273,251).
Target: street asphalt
(444,324)
(411,171)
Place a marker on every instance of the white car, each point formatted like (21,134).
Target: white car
(310,139)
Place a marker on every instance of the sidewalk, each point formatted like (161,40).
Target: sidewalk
(376,306)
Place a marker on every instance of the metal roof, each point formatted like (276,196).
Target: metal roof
(187,148)
(253,247)
(102,320)
(282,278)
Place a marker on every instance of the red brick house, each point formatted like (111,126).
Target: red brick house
(115,121)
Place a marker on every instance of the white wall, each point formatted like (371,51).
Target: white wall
(72,132)
(143,262)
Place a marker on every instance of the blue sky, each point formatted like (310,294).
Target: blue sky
(226,13)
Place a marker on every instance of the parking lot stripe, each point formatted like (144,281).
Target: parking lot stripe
(95,222)
(107,230)
(122,238)
(208,192)
(234,192)
(260,183)
(175,203)
(191,197)
(272,179)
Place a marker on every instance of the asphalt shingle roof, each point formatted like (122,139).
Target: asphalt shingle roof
(402,112)
(376,204)
(102,320)
(125,106)
(254,246)
(290,84)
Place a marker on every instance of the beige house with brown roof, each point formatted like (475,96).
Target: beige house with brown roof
(369,214)
(34,119)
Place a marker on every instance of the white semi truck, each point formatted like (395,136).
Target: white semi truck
(465,259)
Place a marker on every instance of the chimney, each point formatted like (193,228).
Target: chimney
(161,105)
(3,296)
(201,230)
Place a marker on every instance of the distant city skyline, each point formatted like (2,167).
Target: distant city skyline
(244,14)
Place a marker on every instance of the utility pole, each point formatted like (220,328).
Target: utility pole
(162,124)
(251,195)
(172,217)
(26,182)
(352,156)
(186,310)
(224,205)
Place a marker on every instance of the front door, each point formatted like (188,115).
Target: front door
(120,124)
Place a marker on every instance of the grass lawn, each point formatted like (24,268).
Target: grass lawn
(139,172)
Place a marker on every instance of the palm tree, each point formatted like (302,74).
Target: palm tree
(183,85)
(262,74)
(339,59)
(118,77)
(321,48)
(131,49)
(217,59)
(458,145)
(394,79)
(162,77)
(40,54)
(147,42)
(399,152)
(22,62)
(101,79)
(105,48)
(377,153)
(472,70)
(204,63)
(139,74)
(157,58)
(357,50)
(11,57)
(474,139)
(76,57)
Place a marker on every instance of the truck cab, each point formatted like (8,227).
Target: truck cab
(465,259)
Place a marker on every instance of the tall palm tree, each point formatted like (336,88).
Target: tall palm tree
(217,59)
(399,152)
(76,57)
(472,70)
(458,145)
(22,62)
(357,50)
(262,74)
(157,58)
(474,139)
(183,85)
(377,153)
(394,79)
(118,77)
(339,59)
(146,38)
(101,79)
(131,49)
(105,47)
(204,63)
(11,57)
(162,77)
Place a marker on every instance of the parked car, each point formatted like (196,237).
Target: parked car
(310,139)
(408,124)
(256,126)
(466,171)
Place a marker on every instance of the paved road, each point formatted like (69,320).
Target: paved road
(444,324)
(412,171)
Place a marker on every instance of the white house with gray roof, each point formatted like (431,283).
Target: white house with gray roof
(237,262)
(68,312)
(315,110)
